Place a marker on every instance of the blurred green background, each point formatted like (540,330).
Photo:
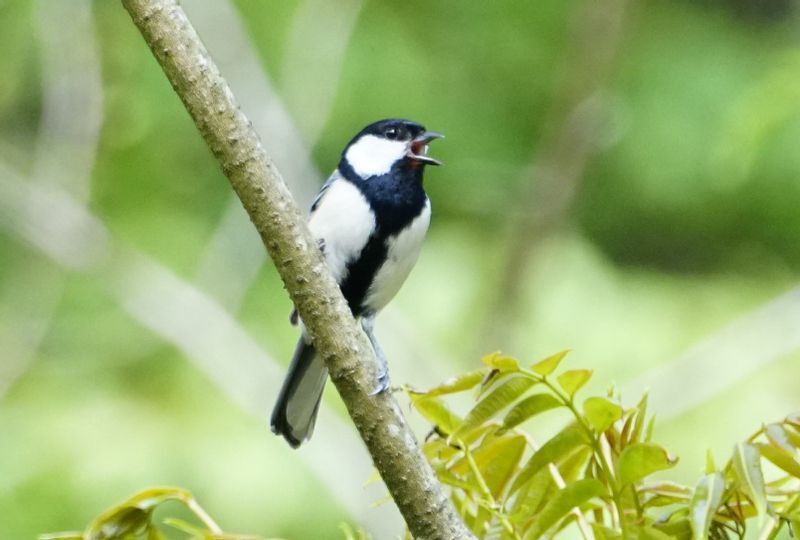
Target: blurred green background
(621,179)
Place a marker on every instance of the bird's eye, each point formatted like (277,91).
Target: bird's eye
(392,133)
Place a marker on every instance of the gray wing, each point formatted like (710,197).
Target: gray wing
(328,183)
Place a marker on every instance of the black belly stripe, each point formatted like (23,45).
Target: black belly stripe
(396,200)
(361,272)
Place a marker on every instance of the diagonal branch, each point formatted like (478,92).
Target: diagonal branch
(210,102)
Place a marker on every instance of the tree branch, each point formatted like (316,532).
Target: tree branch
(346,351)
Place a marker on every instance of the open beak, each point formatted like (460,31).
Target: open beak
(418,148)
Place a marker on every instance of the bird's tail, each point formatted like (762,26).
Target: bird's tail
(296,409)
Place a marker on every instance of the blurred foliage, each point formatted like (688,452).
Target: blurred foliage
(593,477)
(684,219)
(132,519)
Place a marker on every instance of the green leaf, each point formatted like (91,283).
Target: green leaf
(531,498)
(747,465)
(436,412)
(476,433)
(438,449)
(133,515)
(641,460)
(793,435)
(648,432)
(571,467)
(572,380)
(601,413)
(121,522)
(641,417)
(150,498)
(778,437)
(623,437)
(646,532)
(601,532)
(677,529)
(548,365)
(154,534)
(657,501)
(557,449)
(704,503)
(497,462)
(528,407)
(666,491)
(562,503)
(448,478)
(72,535)
(780,458)
(500,362)
(494,402)
(456,384)
(711,467)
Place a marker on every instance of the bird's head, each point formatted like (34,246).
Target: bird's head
(387,144)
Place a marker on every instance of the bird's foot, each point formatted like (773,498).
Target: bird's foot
(383,383)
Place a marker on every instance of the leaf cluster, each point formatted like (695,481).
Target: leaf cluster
(132,519)
(593,477)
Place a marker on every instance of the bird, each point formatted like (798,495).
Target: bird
(369,219)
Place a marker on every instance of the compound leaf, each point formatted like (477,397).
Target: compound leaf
(640,460)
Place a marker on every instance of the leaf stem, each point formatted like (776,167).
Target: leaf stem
(487,493)
(203,516)
(607,468)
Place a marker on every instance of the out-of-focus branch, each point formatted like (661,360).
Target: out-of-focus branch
(69,127)
(569,140)
(311,68)
(61,228)
(723,359)
(344,347)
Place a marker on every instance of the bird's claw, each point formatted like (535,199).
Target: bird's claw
(383,383)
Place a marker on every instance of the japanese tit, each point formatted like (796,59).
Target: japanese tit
(369,219)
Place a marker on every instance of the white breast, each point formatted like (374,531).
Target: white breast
(344,221)
(402,254)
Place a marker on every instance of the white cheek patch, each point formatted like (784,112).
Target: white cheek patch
(373,156)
